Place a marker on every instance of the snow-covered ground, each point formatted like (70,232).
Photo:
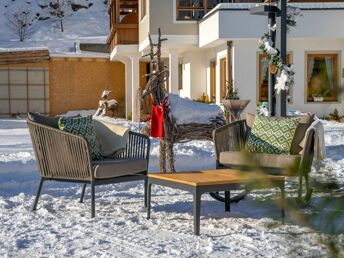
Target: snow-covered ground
(62,227)
(88,24)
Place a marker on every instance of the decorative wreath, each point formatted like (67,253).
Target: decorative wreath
(285,72)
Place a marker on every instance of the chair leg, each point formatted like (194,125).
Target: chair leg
(38,194)
(309,190)
(282,187)
(93,199)
(299,195)
(227,201)
(145,192)
(149,194)
(83,188)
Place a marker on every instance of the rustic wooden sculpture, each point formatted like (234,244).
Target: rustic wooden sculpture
(172,132)
(156,88)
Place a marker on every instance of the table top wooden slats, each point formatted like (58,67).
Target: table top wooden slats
(217,177)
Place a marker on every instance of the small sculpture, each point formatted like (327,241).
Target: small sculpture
(106,105)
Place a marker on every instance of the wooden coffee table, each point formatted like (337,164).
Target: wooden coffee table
(204,181)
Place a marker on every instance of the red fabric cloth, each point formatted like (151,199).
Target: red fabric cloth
(157,122)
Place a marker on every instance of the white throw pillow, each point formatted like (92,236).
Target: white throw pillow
(112,138)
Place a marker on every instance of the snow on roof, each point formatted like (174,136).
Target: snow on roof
(81,54)
(304,6)
(22,49)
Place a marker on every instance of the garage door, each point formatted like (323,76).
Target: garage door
(23,90)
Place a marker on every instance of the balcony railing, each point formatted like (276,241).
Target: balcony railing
(124,23)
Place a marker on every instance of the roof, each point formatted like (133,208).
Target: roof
(16,56)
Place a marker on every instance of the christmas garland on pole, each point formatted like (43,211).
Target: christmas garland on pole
(285,72)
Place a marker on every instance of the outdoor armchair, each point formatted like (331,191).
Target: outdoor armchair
(65,157)
(230,141)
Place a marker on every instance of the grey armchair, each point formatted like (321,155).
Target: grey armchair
(230,140)
(65,157)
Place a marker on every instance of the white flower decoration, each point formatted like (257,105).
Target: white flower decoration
(282,81)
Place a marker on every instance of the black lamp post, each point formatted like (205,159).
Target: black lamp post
(281,44)
(274,13)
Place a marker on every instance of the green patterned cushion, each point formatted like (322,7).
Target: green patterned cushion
(83,126)
(272,135)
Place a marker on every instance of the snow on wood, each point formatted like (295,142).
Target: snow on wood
(186,111)
(24,56)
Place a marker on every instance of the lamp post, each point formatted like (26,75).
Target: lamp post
(274,13)
(281,44)
(272,77)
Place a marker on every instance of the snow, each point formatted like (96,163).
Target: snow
(191,111)
(86,26)
(302,6)
(62,227)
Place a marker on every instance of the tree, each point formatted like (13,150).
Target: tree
(58,9)
(21,21)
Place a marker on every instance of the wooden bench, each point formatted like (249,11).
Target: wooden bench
(200,182)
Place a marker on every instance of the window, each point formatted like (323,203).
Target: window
(322,77)
(24,89)
(195,9)
(143,8)
(263,77)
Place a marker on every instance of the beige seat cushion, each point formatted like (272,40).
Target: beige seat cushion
(250,119)
(305,122)
(112,138)
(264,160)
(109,168)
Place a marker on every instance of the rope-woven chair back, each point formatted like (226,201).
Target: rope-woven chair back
(138,147)
(59,154)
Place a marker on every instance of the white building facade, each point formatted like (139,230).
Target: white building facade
(203,51)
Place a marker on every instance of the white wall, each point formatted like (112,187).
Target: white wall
(194,74)
(246,72)
(186,91)
(299,49)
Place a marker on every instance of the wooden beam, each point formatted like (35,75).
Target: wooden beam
(13,57)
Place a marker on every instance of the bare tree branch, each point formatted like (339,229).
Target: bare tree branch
(20,22)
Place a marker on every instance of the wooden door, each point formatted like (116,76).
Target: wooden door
(213,81)
(223,77)
(146,107)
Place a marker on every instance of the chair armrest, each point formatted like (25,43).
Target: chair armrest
(308,152)
(138,147)
(59,154)
(230,137)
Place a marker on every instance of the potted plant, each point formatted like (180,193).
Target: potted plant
(232,103)
(320,96)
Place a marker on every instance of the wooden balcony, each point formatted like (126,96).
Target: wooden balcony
(124,23)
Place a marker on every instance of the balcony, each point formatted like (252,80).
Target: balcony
(124,23)
(234,22)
